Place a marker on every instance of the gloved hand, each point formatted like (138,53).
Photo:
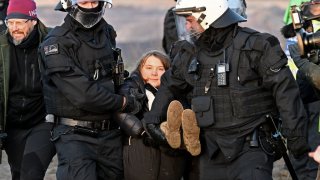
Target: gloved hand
(154,131)
(298,146)
(132,105)
(133,102)
(296,57)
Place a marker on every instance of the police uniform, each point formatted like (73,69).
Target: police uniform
(79,93)
(237,76)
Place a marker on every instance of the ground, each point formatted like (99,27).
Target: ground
(139,28)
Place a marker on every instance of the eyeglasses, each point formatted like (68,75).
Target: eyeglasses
(18,24)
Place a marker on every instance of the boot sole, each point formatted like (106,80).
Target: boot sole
(174,114)
(191,132)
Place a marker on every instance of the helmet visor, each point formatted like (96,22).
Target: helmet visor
(227,18)
(188,28)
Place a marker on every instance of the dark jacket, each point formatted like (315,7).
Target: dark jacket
(5,72)
(77,74)
(170,35)
(135,82)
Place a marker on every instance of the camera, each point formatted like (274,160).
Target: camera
(302,21)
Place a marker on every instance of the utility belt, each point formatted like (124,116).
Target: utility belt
(103,125)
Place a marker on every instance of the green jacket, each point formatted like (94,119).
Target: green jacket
(4,70)
(287,19)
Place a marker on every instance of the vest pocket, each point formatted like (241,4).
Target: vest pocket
(203,107)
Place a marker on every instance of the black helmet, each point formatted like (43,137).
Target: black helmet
(86,18)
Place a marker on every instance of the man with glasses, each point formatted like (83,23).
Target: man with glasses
(22,110)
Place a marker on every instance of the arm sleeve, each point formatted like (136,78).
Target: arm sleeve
(75,84)
(278,78)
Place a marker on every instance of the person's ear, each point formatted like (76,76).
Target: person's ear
(34,22)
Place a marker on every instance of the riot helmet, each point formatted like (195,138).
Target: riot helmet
(86,17)
(206,14)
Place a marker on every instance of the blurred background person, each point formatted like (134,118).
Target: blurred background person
(306,59)
(3,13)
(305,167)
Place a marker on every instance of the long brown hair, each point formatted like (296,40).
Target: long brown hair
(158,54)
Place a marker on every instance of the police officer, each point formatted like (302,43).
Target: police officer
(78,60)
(22,109)
(237,77)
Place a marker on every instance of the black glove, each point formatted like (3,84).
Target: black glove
(154,131)
(130,124)
(296,57)
(298,146)
(133,102)
(132,105)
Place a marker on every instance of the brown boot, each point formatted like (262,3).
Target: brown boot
(171,128)
(191,132)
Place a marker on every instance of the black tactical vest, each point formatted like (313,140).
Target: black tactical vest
(96,62)
(231,104)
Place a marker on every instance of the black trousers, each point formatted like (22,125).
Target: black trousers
(83,157)
(251,164)
(29,151)
(143,162)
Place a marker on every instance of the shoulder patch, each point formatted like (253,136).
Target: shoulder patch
(51,49)
(273,41)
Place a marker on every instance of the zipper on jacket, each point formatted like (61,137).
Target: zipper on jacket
(23,104)
(33,75)
(25,70)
